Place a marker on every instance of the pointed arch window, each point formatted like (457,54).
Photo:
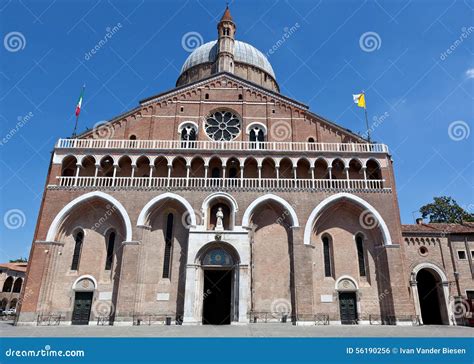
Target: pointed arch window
(110,250)
(256,132)
(360,255)
(78,240)
(327,256)
(188,135)
(168,246)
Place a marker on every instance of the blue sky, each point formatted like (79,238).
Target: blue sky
(420,96)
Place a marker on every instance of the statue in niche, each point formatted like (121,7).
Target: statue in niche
(220,220)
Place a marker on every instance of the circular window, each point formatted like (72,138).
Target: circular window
(222,125)
(423,250)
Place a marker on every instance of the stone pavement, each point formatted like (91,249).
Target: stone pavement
(250,330)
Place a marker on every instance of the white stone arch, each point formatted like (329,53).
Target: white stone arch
(145,212)
(222,195)
(254,124)
(341,197)
(188,123)
(269,197)
(431,266)
(135,158)
(186,159)
(325,160)
(372,159)
(53,229)
(85,276)
(156,157)
(350,278)
(342,159)
(444,285)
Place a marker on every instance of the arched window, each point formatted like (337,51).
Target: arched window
(360,254)
(311,140)
(188,133)
(327,256)
(110,251)
(78,238)
(168,246)
(17,285)
(206,96)
(7,285)
(133,137)
(256,132)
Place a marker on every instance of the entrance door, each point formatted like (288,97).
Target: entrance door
(217,297)
(428,294)
(348,307)
(82,308)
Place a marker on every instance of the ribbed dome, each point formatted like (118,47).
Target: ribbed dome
(243,53)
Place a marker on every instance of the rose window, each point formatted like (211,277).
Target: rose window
(222,125)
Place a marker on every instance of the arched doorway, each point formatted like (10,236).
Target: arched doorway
(83,294)
(220,285)
(431,297)
(347,291)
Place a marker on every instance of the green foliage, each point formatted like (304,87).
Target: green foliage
(445,209)
(19,260)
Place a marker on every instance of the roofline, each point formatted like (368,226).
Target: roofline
(357,136)
(272,93)
(230,75)
(125,114)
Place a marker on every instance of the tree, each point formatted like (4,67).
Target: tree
(19,260)
(445,209)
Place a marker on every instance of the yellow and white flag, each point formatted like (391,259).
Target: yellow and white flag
(359,99)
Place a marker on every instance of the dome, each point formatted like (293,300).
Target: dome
(243,53)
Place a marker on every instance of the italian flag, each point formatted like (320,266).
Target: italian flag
(79,102)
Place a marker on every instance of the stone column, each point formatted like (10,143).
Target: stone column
(244,293)
(190,294)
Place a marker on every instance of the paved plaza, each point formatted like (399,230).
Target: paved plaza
(251,330)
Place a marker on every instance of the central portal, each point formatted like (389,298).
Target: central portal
(217,296)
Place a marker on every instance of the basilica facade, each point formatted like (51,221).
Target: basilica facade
(222,201)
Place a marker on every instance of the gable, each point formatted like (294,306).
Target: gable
(159,116)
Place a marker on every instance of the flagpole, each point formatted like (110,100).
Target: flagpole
(366,118)
(75,127)
(78,110)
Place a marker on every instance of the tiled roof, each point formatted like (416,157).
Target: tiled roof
(19,267)
(226,15)
(437,228)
